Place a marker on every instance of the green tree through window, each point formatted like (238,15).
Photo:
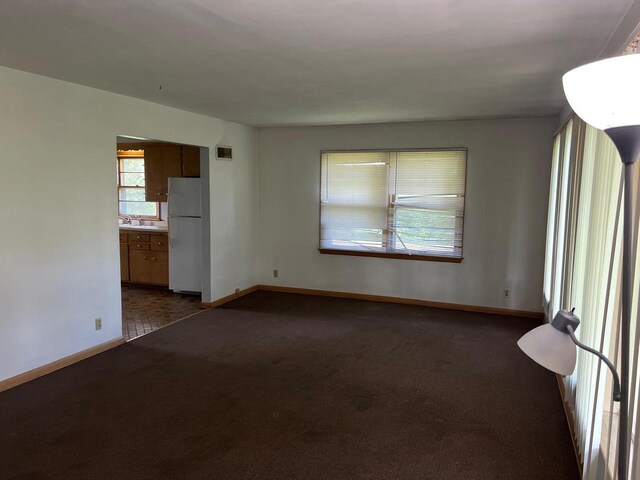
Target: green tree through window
(131,189)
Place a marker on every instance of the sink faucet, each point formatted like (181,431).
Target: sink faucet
(126,219)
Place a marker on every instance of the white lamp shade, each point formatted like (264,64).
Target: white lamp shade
(603,93)
(550,348)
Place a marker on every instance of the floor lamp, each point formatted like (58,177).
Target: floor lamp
(602,94)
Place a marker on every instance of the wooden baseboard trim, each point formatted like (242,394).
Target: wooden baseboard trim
(228,298)
(571,423)
(58,364)
(404,301)
(76,357)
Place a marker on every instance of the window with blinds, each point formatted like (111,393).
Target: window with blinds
(405,204)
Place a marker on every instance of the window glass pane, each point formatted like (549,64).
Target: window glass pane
(353,228)
(132,179)
(419,230)
(131,191)
(354,200)
(357,179)
(429,202)
(132,194)
(132,165)
(408,202)
(138,208)
(551,223)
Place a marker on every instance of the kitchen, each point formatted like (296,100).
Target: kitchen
(160,227)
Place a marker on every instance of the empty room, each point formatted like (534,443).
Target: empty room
(320,240)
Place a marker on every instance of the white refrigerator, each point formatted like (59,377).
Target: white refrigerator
(185,235)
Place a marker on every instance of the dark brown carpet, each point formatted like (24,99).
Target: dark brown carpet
(281,386)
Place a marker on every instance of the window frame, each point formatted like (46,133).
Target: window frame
(125,154)
(392,255)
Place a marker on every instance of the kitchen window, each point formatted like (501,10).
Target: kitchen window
(131,187)
(393,203)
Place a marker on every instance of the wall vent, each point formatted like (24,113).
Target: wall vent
(223,152)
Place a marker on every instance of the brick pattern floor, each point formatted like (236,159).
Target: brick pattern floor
(146,309)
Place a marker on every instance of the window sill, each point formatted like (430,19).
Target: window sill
(400,256)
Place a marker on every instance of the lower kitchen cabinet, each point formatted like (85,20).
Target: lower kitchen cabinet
(148,259)
(160,268)
(149,267)
(124,262)
(139,270)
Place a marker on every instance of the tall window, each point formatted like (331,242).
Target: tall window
(131,191)
(404,204)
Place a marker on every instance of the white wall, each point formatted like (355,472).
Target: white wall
(59,265)
(508,172)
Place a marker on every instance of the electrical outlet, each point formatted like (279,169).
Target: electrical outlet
(506,293)
(275,274)
(98,323)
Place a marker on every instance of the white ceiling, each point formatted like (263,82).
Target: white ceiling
(298,62)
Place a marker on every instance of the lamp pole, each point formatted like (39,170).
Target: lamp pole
(627,141)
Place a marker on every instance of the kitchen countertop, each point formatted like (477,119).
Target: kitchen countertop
(143,228)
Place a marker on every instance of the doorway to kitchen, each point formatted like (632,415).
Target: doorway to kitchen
(160,223)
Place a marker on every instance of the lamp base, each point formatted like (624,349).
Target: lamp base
(627,141)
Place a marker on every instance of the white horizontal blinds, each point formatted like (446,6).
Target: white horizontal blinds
(429,202)
(354,200)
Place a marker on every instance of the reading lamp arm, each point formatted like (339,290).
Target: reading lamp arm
(616,378)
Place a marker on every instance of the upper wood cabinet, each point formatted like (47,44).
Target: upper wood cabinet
(190,161)
(161,161)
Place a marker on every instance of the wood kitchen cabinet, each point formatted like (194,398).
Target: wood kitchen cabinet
(149,267)
(159,268)
(190,161)
(124,258)
(147,258)
(158,243)
(161,161)
(139,266)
